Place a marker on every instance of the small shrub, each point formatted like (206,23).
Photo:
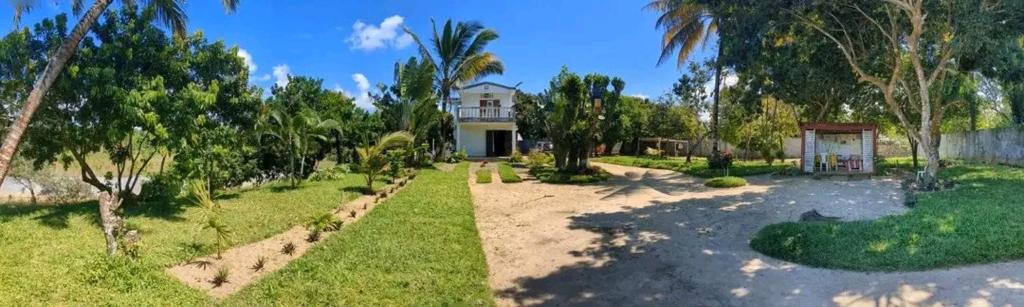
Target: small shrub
(352,214)
(516,157)
(459,156)
(260,263)
(324,222)
(725,182)
(161,189)
(722,160)
(314,235)
(483,175)
(221,277)
(507,174)
(538,158)
(547,174)
(288,248)
(334,173)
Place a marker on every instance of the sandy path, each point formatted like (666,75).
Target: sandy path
(654,237)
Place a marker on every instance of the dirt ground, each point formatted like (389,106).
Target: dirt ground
(655,237)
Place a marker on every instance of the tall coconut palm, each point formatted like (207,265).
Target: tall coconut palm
(688,24)
(169,12)
(458,55)
(297,131)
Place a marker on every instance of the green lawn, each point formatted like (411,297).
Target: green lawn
(698,166)
(419,248)
(979,221)
(483,175)
(507,173)
(53,255)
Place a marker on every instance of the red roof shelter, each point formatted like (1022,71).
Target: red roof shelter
(838,148)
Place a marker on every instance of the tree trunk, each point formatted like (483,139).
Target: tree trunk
(110,220)
(715,138)
(46,79)
(913,151)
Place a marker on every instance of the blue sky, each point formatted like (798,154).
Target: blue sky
(348,42)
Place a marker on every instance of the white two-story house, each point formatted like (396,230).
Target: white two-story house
(485,121)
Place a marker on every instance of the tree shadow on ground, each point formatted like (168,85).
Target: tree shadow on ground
(650,254)
(53,216)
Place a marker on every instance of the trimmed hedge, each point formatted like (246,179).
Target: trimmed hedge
(507,174)
(725,182)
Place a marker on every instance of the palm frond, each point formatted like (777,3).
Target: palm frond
(171,14)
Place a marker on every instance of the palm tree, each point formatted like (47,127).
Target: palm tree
(687,24)
(297,132)
(458,56)
(170,12)
(373,159)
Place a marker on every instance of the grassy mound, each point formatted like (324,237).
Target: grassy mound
(977,222)
(507,174)
(725,182)
(483,175)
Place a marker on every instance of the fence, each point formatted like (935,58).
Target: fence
(1001,145)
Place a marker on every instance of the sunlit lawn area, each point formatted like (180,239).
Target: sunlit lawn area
(699,166)
(419,248)
(54,254)
(979,221)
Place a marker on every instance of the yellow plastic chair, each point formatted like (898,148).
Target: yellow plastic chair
(833,161)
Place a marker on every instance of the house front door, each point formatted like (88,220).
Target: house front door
(499,143)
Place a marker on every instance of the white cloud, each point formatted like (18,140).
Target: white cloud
(242,53)
(362,97)
(641,96)
(368,37)
(263,78)
(731,80)
(281,73)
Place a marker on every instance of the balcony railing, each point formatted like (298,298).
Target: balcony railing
(486,114)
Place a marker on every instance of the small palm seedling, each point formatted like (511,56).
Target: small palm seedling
(325,222)
(352,214)
(260,263)
(314,235)
(213,216)
(288,249)
(374,161)
(202,264)
(221,277)
(384,194)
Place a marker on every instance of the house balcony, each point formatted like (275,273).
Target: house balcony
(486,114)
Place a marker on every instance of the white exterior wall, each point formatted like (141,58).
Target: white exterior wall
(809,151)
(472,136)
(473,99)
(473,140)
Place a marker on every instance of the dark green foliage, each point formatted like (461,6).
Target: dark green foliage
(507,174)
(161,189)
(548,174)
(314,235)
(725,182)
(721,161)
(325,222)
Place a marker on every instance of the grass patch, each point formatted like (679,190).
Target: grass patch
(980,221)
(54,255)
(698,167)
(483,175)
(508,174)
(725,182)
(418,248)
(548,174)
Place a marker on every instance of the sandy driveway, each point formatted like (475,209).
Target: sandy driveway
(653,237)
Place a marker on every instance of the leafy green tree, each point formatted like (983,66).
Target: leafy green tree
(373,160)
(296,132)
(573,117)
(169,12)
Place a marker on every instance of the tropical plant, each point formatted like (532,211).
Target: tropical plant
(686,24)
(373,159)
(221,277)
(212,216)
(297,132)
(458,57)
(169,12)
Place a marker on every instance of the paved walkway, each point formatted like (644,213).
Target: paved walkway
(653,237)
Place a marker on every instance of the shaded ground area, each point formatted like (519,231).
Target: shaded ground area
(654,237)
